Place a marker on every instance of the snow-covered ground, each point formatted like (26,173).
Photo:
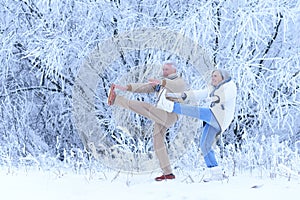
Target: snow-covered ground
(62,185)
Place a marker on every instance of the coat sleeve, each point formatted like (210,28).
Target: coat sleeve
(141,88)
(173,86)
(196,95)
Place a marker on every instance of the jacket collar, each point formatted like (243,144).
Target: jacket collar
(172,76)
(218,86)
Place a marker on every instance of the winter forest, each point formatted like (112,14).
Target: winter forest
(59,58)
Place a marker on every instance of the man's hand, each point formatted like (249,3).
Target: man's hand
(154,82)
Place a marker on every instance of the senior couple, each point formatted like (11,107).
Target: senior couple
(221,92)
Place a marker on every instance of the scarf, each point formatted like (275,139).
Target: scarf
(216,88)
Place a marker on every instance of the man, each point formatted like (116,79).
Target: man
(222,94)
(171,83)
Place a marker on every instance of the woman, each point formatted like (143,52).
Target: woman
(217,117)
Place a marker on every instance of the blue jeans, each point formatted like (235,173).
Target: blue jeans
(210,130)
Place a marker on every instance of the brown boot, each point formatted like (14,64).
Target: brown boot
(165,177)
(111,95)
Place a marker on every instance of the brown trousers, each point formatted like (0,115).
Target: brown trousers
(162,119)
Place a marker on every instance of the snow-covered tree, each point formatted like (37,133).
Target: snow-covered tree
(44,43)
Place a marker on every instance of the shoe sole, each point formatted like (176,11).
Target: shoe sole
(110,99)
